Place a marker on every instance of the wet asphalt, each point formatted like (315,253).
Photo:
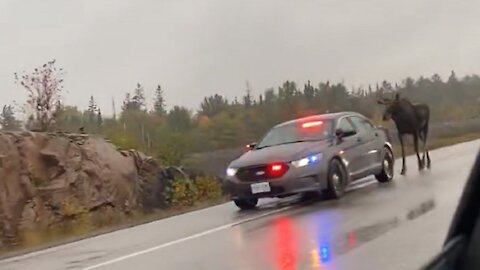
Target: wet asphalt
(399,225)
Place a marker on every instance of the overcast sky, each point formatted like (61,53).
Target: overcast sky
(199,47)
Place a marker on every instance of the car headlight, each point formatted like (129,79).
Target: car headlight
(307,160)
(231,171)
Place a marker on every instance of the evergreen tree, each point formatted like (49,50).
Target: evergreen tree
(308,92)
(99,118)
(139,98)
(127,103)
(8,121)
(247,99)
(159,102)
(92,110)
(179,119)
(114,109)
(213,105)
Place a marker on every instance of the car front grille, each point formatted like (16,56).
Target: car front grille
(252,174)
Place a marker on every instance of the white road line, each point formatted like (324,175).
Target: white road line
(184,239)
(217,229)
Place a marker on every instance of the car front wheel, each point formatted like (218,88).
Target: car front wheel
(386,175)
(336,181)
(246,203)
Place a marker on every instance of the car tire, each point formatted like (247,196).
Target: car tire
(336,180)
(386,175)
(246,203)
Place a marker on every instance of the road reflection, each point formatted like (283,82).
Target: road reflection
(316,242)
(285,244)
(288,251)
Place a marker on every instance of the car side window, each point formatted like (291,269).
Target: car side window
(363,126)
(345,125)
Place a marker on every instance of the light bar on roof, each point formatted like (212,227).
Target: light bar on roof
(312,124)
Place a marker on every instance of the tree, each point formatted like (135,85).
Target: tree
(92,110)
(179,119)
(70,119)
(114,109)
(99,118)
(287,91)
(127,103)
(260,99)
(213,105)
(225,130)
(159,102)
(247,99)
(8,121)
(44,87)
(135,103)
(270,96)
(309,92)
(139,97)
(453,78)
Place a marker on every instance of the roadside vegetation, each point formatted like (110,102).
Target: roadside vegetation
(171,134)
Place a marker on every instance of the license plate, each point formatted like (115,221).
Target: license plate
(260,187)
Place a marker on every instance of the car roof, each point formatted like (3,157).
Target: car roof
(327,116)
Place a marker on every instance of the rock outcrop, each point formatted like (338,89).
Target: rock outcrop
(47,179)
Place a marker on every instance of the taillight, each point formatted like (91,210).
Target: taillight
(276,170)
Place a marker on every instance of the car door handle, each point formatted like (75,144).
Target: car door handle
(359,139)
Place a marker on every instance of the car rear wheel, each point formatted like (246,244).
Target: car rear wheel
(386,175)
(246,203)
(337,180)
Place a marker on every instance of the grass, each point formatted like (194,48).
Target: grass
(85,228)
(438,142)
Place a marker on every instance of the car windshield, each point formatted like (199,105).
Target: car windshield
(292,133)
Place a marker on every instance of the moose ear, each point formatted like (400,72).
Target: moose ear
(397,97)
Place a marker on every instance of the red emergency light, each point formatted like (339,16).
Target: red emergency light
(276,170)
(312,124)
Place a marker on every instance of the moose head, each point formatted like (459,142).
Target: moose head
(392,107)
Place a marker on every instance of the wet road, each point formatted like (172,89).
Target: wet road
(391,226)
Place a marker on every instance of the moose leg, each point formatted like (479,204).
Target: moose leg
(425,136)
(404,166)
(423,139)
(415,143)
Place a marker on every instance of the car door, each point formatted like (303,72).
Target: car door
(462,246)
(351,146)
(370,155)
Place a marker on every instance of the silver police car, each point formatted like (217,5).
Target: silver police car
(321,153)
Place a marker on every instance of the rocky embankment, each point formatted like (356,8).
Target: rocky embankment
(50,179)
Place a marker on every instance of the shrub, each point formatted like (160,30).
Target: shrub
(209,189)
(183,192)
(187,192)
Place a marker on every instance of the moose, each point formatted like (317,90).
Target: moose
(410,119)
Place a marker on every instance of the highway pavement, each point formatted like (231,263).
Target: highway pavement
(399,225)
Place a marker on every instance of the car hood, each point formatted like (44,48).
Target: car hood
(279,153)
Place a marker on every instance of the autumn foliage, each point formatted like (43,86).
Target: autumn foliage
(44,87)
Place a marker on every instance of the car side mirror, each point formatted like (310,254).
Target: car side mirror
(251,146)
(340,133)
